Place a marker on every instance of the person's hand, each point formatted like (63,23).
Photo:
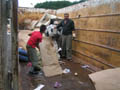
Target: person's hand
(39,49)
(29,64)
(55,27)
(74,35)
(29,34)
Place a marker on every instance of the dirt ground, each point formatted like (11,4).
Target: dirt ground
(69,81)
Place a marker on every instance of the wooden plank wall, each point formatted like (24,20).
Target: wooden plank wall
(8,47)
(1,83)
(98,32)
(14,35)
(3,48)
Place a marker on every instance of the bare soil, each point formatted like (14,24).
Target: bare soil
(69,81)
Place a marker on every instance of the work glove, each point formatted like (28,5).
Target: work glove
(73,35)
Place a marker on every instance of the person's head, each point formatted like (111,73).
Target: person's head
(51,21)
(42,28)
(66,16)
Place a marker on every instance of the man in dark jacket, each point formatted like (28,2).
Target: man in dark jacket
(68,26)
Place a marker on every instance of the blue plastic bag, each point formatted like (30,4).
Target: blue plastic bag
(23,55)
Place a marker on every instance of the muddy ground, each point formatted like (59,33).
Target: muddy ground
(69,81)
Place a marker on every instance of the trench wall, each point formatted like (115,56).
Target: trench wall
(97,24)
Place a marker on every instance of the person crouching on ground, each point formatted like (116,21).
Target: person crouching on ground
(32,44)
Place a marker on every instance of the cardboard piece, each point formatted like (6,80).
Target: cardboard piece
(49,57)
(107,79)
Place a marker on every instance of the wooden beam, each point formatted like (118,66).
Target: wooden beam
(14,35)
(103,46)
(99,30)
(94,16)
(3,47)
(100,61)
(1,76)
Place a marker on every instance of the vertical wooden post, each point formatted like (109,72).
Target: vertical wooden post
(14,34)
(1,84)
(3,46)
(8,80)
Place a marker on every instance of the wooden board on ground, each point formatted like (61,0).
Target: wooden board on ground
(49,57)
(107,79)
